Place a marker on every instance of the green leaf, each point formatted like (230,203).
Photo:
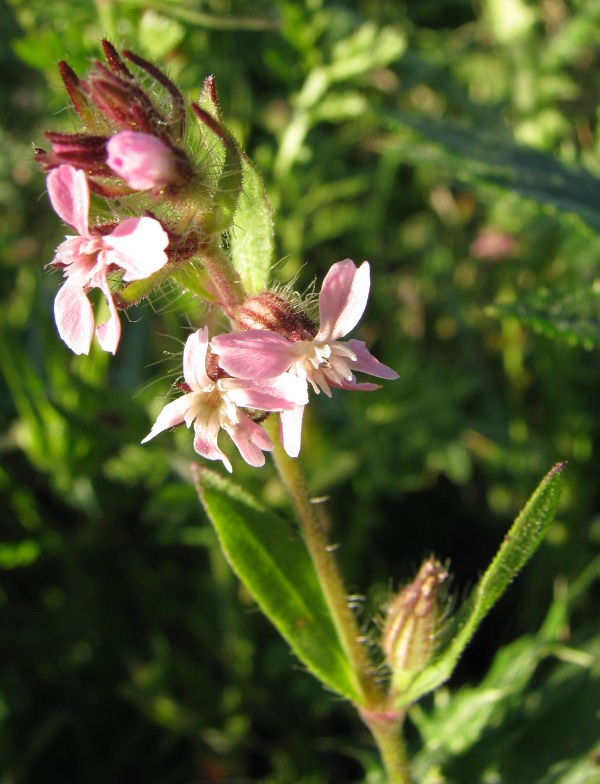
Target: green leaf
(491,160)
(518,546)
(252,236)
(484,734)
(573,315)
(275,566)
(227,153)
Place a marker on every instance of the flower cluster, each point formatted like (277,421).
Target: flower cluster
(164,210)
(314,356)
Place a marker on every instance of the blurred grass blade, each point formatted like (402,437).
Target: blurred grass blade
(274,564)
(518,546)
(490,160)
(573,315)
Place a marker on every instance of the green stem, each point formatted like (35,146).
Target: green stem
(224,279)
(312,518)
(386,728)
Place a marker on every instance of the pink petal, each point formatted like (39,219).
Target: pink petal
(194,360)
(343,299)
(366,363)
(70,196)
(141,159)
(255,354)
(278,394)
(250,439)
(205,444)
(109,333)
(290,430)
(355,386)
(74,317)
(172,414)
(138,246)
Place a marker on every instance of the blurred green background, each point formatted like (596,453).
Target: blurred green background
(384,130)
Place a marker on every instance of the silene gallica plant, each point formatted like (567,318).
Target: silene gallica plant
(156,192)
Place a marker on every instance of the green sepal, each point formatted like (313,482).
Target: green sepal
(272,561)
(519,545)
(192,278)
(138,289)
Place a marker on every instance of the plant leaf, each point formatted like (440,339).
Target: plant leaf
(573,315)
(274,564)
(252,236)
(488,159)
(518,546)
(227,153)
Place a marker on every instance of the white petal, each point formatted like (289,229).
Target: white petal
(74,317)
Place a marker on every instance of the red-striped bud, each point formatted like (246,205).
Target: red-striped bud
(412,624)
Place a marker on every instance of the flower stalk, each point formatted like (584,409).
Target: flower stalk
(312,518)
(386,729)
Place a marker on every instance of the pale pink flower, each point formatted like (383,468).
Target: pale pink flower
(214,402)
(141,159)
(322,362)
(136,247)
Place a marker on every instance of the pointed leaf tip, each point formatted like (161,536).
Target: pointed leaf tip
(518,546)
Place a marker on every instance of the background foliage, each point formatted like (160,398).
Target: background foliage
(455,146)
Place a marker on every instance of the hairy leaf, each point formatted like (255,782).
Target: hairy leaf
(518,546)
(252,236)
(573,315)
(274,564)
(491,160)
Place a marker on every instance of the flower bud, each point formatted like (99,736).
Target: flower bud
(271,311)
(81,150)
(141,159)
(412,624)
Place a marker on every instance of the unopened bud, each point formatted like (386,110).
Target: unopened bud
(81,150)
(412,624)
(272,311)
(141,159)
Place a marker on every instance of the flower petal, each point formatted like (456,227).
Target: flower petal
(74,317)
(172,414)
(250,439)
(141,159)
(70,196)
(194,360)
(109,333)
(277,394)
(290,430)
(205,440)
(356,386)
(343,299)
(256,353)
(138,246)
(366,363)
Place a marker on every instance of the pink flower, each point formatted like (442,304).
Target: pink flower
(213,403)
(142,160)
(322,362)
(136,246)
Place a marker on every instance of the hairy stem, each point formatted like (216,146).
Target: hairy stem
(386,728)
(312,518)
(226,282)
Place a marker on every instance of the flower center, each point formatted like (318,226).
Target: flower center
(323,364)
